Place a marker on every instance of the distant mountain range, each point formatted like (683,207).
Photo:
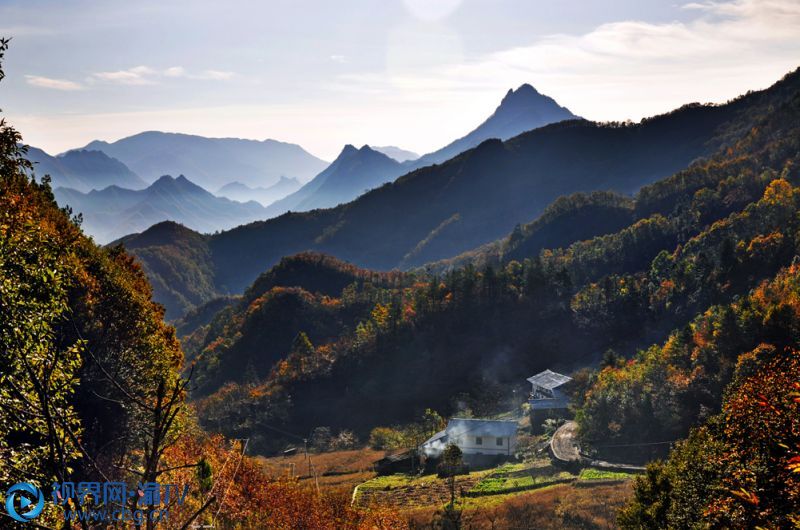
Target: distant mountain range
(114,211)
(401,155)
(84,170)
(243,193)
(211,162)
(354,172)
(444,210)
(250,169)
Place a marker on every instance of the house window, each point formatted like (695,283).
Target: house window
(499,441)
(478,440)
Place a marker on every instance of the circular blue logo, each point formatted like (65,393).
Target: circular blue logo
(30,497)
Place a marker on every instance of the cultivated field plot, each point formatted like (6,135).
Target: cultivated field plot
(407,492)
(480,489)
(510,478)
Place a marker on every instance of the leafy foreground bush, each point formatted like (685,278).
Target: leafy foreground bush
(247,498)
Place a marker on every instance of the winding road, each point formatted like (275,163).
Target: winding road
(564,446)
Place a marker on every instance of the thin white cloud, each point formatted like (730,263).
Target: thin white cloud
(216,75)
(138,75)
(145,75)
(53,84)
(627,69)
(175,71)
(338,58)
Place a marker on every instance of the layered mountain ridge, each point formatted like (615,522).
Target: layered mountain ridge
(212,162)
(477,197)
(238,191)
(354,172)
(521,110)
(113,211)
(84,170)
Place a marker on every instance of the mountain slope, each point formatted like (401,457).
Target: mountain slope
(354,172)
(471,336)
(212,162)
(360,170)
(401,155)
(479,196)
(84,170)
(568,219)
(523,109)
(242,192)
(113,212)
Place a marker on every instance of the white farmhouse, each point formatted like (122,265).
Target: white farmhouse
(475,437)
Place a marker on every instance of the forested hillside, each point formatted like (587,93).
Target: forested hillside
(443,210)
(702,263)
(571,320)
(739,468)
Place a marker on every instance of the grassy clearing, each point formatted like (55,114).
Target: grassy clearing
(516,477)
(482,502)
(601,474)
(398,480)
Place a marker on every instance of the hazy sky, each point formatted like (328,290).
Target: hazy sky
(411,73)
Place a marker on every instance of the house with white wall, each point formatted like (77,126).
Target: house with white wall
(475,437)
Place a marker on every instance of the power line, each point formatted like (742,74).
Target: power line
(293,435)
(230,483)
(636,445)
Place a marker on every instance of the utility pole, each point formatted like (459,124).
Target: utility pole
(316,478)
(308,458)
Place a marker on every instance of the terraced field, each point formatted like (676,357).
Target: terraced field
(510,478)
(405,492)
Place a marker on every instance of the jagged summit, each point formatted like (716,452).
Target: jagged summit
(520,110)
(525,90)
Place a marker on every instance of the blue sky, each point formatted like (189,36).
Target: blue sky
(411,73)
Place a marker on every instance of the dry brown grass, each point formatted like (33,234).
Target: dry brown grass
(581,505)
(334,470)
(585,507)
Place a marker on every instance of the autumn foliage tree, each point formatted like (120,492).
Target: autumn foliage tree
(740,469)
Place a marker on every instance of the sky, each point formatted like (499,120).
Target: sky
(412,73)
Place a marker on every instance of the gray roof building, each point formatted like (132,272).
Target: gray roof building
(547,391)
